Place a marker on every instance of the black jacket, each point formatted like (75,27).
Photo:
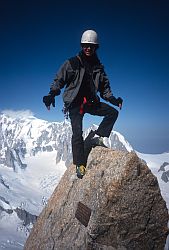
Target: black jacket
(71,75)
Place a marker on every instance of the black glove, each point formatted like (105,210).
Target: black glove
(48,100)
(119,101)
(116,101)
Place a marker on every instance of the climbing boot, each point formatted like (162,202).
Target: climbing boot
(97,141)
(80,171)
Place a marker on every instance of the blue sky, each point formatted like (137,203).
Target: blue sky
(38,36)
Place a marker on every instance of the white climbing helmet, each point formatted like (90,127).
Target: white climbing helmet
(89,36)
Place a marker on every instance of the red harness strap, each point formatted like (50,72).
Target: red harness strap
(82,106)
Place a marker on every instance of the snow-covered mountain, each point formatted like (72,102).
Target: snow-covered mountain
(33,156)
(23,137)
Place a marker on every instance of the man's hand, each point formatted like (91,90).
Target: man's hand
(116,101)
(120,102)
(48,100)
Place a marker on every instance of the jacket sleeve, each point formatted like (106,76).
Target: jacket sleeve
(104,86)
(62,77)
(105,90)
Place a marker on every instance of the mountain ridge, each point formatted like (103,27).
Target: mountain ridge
(25,137)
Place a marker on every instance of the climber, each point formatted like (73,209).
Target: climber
(83,76)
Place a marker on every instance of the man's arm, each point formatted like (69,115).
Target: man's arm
(106,93)
(58,83)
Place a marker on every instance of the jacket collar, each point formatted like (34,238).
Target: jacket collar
(92,61)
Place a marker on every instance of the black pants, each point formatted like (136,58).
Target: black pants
(100,109)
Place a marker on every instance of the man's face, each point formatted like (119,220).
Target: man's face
(89,49)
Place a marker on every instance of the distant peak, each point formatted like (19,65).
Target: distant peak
(19,114)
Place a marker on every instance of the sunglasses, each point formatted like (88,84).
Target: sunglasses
(89,45)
